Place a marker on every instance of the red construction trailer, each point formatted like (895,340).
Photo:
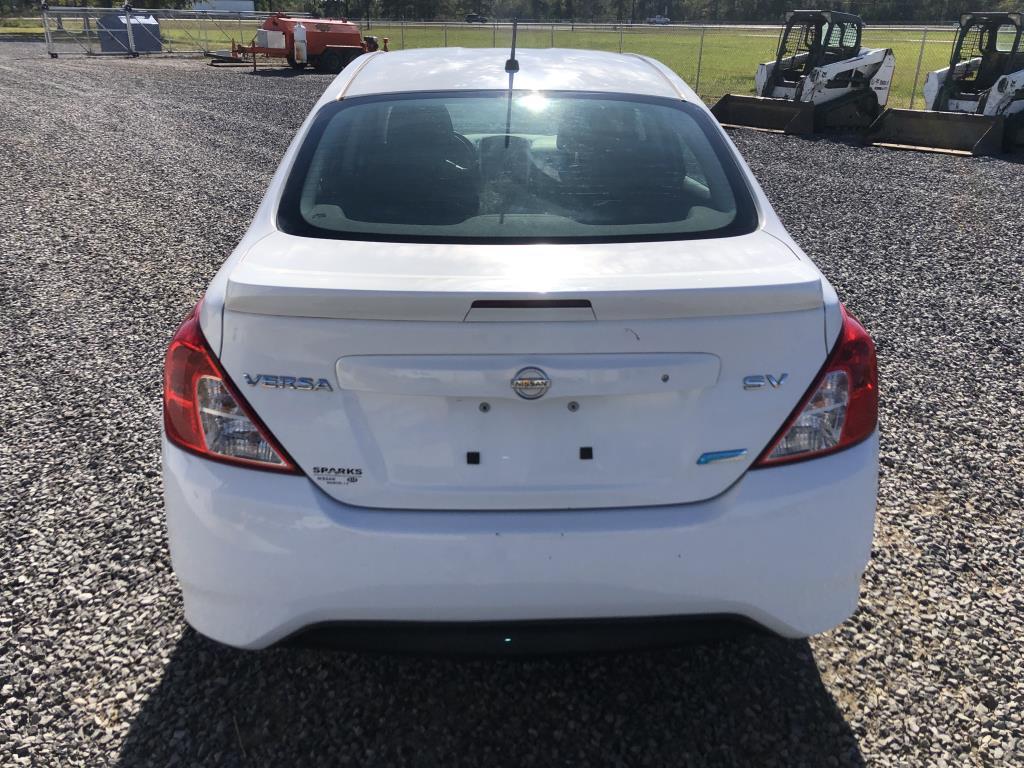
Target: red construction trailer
(326,44)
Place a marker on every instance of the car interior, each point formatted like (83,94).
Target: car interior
(605,163)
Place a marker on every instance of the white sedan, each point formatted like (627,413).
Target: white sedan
(517,357)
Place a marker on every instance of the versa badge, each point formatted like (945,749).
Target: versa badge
(299,383)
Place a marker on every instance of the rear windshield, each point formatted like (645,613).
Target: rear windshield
(490,167)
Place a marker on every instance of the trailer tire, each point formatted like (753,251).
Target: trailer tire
(330,62)
(297,65)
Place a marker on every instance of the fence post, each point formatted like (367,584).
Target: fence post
(917,73)
(700,58)
(620,38)
(403,34)
(494,34)
(46,32)
(445,35)
(87,31)
(205,26)
(128,27)
(552,35)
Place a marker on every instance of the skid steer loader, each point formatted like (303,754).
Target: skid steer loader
(975,106)
(821,79)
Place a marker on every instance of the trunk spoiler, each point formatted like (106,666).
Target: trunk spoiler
(456,306)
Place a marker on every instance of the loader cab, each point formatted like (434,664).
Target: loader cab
(812,39)
(987,46)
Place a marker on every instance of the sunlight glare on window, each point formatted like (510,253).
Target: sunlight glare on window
(534,102)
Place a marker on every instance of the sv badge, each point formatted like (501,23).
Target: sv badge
(761,381)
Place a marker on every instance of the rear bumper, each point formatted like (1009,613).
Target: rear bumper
(261,556)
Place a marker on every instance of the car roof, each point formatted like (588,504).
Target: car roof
(554,69)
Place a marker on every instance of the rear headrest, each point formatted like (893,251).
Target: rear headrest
(419,125)
(611,142)
(597,126)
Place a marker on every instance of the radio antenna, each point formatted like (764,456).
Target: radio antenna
(511,66)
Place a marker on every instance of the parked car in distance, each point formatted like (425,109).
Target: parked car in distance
(659,20)
(513,362)
(476,18)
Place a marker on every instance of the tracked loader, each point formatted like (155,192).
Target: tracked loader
(975,106)
(821,79)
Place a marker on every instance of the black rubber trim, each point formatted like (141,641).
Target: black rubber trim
(522,638)
(531,304)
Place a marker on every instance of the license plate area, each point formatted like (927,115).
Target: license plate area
(455,425)
(554,443)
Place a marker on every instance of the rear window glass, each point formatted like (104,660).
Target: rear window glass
(484,167)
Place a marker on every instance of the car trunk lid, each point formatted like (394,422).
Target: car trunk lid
(644,348)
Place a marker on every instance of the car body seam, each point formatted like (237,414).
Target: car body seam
(661,74)
(367,58)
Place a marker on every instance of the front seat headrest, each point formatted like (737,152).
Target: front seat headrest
(414,125)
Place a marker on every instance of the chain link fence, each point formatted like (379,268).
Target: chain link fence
(137,31)
(713,59)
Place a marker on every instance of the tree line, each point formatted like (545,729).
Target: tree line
(578,10)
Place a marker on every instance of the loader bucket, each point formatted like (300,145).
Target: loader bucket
(781,115)
(958,133)
(1013,141)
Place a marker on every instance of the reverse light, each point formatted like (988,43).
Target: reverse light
(840,408)
(205,414)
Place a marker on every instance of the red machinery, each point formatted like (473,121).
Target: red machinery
(327,44)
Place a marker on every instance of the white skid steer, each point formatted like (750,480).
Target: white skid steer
(821,79)
(975,106)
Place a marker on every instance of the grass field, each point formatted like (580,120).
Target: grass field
(728,56)
(18,26)
(722,60)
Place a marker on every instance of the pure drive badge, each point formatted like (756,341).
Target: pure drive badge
(298,383)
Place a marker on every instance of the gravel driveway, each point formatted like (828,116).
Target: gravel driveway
(123,184)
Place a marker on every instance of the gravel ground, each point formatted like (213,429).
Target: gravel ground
(122,186)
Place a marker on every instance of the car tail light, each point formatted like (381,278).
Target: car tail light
(841,407)
(205,414)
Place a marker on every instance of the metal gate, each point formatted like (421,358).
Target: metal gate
(131,31)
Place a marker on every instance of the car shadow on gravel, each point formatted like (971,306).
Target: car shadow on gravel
(751,701)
